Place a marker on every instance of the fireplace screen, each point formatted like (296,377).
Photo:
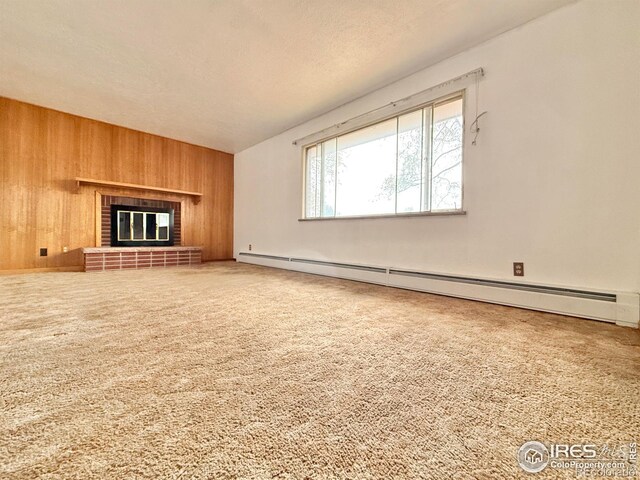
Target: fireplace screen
(141,226)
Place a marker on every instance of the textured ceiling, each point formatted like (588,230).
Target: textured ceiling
(229,73)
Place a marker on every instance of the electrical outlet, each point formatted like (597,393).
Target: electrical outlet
(43,252)
(249,247)
(518,269)
(65,249)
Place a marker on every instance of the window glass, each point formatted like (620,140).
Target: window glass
(150,227)
(409,185)
(124,226)
(407,164)
(329,169)
(138,230)
(163,226)
(312,180)
(367,170)
(446,163)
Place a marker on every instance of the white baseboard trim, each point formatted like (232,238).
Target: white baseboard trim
(621,308)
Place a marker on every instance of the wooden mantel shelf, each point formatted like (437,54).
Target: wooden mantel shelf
(195,196)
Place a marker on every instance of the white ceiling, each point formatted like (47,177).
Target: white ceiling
(228,74)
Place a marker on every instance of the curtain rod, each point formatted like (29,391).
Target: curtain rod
(472,73)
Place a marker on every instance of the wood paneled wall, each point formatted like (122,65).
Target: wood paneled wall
(43,150)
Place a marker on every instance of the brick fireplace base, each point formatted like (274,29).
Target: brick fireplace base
(97,259)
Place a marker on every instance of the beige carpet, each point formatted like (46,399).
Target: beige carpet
(236,371)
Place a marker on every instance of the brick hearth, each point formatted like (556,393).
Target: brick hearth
(98,259)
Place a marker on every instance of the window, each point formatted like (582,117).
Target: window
(411,163)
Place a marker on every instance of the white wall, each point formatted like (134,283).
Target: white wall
(554,180)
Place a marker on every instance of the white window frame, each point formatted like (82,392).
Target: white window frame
(462,94)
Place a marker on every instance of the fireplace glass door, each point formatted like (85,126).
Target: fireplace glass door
(145,226)
(138,226)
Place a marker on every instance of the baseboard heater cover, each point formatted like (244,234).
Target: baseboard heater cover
(360,273)
(340,265)
(622,308)
(605,297)
(260,255)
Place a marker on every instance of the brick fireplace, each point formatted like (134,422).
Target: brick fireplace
(109,257)
(108,200)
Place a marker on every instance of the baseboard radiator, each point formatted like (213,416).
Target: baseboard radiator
(621,308)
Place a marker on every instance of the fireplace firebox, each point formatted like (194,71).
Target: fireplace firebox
(133,226)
